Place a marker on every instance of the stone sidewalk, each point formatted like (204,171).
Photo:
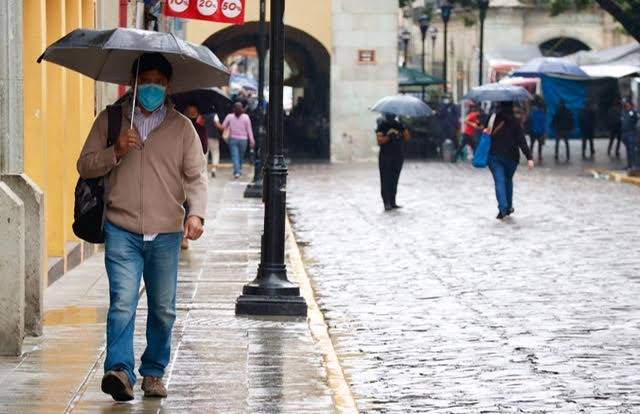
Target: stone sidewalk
(220,363)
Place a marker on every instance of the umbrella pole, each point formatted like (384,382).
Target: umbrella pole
(135,93)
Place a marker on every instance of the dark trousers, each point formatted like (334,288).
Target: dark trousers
(614,135)
(390,169)
(540,140)
(631,142)
(585,139)
(566,144)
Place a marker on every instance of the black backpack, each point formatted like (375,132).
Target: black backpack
(89,207)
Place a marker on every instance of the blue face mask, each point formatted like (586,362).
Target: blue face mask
(151,96)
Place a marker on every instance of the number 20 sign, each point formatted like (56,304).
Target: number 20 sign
(223,11)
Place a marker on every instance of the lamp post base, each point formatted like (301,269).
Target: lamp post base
(253,190)
(271,305)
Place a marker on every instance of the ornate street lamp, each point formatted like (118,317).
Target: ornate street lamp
(405,36)
(483,5)
(434,35)
(254,189)
(445,11)
(271,293)
(424,21)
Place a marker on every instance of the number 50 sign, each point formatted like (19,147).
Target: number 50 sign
(224,11)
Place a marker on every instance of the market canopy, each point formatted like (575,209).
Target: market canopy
(414,77)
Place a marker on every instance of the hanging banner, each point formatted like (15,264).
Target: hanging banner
(221,11)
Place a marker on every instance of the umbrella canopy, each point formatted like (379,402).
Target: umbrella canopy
(549,66)
(204,99)
(402,105)
(498,92)
(414,77)
(107,55)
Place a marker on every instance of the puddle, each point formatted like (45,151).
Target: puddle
(75,315)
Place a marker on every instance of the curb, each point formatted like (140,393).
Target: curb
(342,395)
(617,176)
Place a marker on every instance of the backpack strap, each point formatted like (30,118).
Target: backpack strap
(114,117)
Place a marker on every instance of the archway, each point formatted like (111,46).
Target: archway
(307,125)
(562,46)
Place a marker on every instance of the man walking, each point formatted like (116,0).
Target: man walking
(563,124)
(628,121)
(213,126)
(151,170)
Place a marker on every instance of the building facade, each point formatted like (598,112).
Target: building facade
(509,23)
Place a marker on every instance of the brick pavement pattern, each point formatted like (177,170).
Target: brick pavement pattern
(441,308)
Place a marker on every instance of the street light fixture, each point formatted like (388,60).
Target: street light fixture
(445,11)
(271,293)
(405,36)
(434,35)
(424,21)
(254,189)
(483,5)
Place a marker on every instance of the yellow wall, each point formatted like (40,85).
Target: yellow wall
(312,17)
(59,106)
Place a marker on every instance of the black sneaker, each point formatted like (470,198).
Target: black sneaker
(501,216)
(395,206)
(511,211)
(388,207)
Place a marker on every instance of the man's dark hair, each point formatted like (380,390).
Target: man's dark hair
(151,61)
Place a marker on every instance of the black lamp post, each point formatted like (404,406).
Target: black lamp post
(271,293)
(434,36)
(483,5)
(405,36)
(424,21)
(254,189)
(445,10)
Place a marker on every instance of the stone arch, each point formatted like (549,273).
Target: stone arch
(306,135)
(562,46)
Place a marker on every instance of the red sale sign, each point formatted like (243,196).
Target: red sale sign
(223,11)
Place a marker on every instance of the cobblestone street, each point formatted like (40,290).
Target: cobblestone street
(441,308)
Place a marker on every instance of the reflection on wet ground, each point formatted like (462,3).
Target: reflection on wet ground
(441,308)
(220,363)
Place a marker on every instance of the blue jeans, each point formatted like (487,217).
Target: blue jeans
(503,170)
(237,147)
(127,258)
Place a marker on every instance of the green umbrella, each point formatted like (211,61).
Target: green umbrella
(415,77)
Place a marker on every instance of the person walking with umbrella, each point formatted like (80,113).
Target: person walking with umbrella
(150,168)
(391,136)
(149,158)
(508,140)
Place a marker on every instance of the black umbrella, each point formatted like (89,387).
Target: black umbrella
(204,99)
(107,55)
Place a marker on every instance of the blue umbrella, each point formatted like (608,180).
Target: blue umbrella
(402,105)
(498,92)
(550,66)
(243,82)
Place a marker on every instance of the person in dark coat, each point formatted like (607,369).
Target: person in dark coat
(613,124)
(537,125)
(563,124)
(391,136)
(588,126)
(628,121)
(507,141)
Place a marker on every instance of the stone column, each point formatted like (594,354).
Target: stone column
(11,109)
(11,272)
(34,245)
(360,27)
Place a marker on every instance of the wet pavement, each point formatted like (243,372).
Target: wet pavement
(220,363)
(441,308)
